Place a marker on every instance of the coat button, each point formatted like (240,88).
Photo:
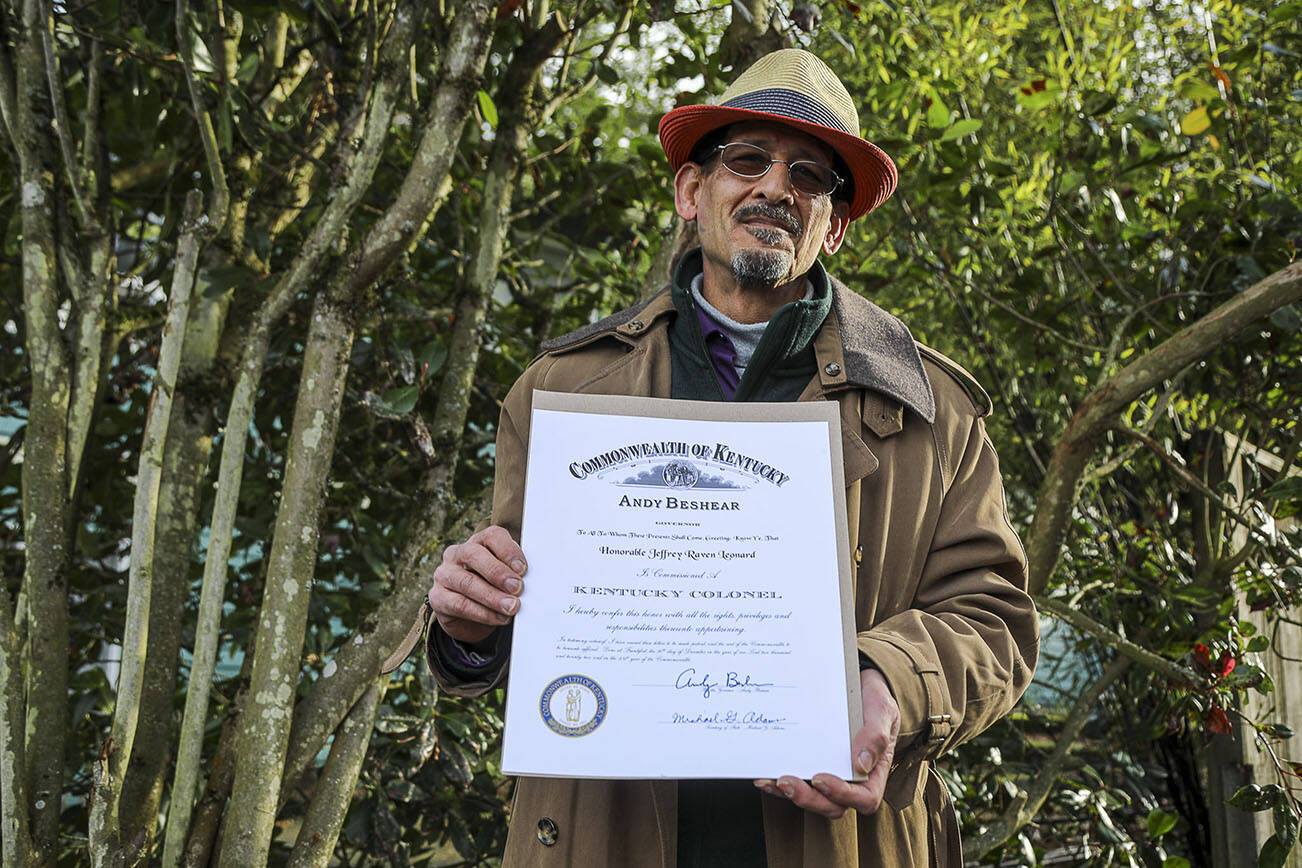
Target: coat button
(547,831)
(636,326)
(832,369)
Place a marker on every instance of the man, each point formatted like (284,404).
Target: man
(947,637)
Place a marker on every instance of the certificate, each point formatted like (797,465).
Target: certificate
(687,611)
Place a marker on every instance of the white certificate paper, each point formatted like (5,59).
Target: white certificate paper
(687,611)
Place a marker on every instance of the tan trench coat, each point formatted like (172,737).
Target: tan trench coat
(940,601)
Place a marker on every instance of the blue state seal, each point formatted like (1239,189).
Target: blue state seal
(573,705)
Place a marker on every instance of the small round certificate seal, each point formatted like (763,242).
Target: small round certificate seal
(573,705)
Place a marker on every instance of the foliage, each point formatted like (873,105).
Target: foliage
(1077,183)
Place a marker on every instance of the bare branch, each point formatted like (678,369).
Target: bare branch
(1168,669)
(1028,802)
(217,172)
(110,771)
(426,183)
(1099,411)
(8,87)
(85,213)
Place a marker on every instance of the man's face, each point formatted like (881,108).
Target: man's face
(763,231)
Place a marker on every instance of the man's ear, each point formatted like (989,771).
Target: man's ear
(687,187)
(836,228)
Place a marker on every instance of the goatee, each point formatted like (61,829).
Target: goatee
(765,269)
(760,269)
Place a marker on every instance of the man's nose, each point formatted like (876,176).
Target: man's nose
(775,184)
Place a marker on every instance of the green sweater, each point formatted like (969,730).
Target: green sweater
(783,363)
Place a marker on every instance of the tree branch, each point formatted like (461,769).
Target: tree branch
(1168,669)
(1098,412)
(217,172)
(111,769)
(291,565)
(426,182)
(45,505)
(1028,802)
(85,212)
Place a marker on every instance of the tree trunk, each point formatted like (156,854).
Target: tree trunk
(106,844)
(189,442)
(264,721)
(15,830)
(315,844)
(44,474)
(357,662)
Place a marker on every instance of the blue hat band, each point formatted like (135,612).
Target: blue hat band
(788,103)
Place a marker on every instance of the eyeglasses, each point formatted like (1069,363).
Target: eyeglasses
(752,161)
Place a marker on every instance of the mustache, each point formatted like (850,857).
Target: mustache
(786,219)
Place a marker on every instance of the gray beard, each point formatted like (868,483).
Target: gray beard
(760,269)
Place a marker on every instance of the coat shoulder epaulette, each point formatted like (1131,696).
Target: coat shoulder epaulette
(980,399)
(583,335)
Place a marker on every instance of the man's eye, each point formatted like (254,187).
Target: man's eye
(807,175)
(748,163)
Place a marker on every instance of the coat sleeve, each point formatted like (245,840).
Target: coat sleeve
(962,653)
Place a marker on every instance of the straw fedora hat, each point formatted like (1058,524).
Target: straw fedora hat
(795,88)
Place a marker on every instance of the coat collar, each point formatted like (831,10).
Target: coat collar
(860,345)
(878,353)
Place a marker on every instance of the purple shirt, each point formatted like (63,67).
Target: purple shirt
(721,353)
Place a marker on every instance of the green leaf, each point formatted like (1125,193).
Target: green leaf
(1255,798)
(1198,90)
(1288,488)
(487,109)
(1287,318)
(1285,824)
(1160,822)
(1175,862)
(404,791)
(937,111)
(1258,643)
(1195,122)
(606,74)
(433,354)
(375,560)
(455,765)
(965,127)
(1273,853)
(401,400)
(215,281)
(1286,11)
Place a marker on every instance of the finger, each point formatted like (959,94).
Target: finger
(864,797)
(449,604)
(476,558)
(802,795)
(456,589)
(499,541)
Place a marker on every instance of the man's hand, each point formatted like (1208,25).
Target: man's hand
(873,749)
(477,587)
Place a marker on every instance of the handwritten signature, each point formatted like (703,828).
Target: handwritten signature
(731,718)
(687,680)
